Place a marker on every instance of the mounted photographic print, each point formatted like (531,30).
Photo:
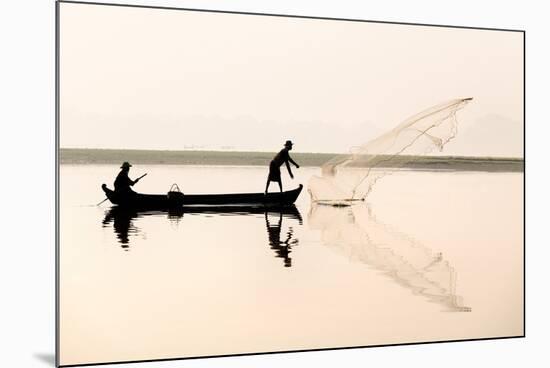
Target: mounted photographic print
(233,183)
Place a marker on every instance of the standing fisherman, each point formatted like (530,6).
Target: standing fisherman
(275,166)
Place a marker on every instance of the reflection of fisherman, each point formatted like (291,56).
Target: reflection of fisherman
(275,166)
(122,224)
(281,248)
(123,182)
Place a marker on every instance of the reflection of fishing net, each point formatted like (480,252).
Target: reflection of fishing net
(351,177)
(356,233)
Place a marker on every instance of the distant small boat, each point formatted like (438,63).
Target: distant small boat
(177,199)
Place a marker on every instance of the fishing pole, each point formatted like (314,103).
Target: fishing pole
(102,201)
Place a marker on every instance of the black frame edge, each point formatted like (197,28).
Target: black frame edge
(288,16)
(295,351)
(56,155)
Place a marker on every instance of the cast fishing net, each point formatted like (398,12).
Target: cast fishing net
(351,177)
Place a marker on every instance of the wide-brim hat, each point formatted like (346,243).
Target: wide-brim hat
(125,165)
(288,143)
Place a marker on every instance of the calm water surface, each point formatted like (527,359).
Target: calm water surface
(430,256)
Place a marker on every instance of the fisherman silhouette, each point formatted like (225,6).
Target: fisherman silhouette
(123,182)
(275,166)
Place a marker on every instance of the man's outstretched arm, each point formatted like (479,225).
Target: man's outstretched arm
(293,163)
(289,171)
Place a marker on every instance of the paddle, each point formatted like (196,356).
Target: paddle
(138,179)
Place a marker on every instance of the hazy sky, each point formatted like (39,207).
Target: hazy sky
(164,79)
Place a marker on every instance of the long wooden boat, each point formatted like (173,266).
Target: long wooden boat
(175,199)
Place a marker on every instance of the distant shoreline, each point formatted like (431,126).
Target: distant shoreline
(87,156)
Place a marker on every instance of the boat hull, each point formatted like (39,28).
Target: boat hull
(177,199)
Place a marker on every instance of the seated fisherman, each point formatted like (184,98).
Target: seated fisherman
(123,182)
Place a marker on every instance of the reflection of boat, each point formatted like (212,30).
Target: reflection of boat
(122,219)
(355,232)
(178,199)
(287,211)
